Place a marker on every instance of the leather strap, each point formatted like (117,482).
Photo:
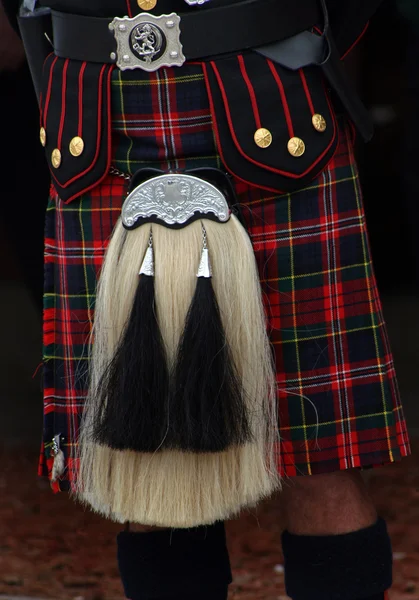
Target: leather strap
(215,31)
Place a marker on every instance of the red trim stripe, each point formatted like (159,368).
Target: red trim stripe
(358,39)
(41,95)
(283,98)
(129,8)
(307,92)
(81,74)
(63,103)
(48,95)
(251,91)
(41,115)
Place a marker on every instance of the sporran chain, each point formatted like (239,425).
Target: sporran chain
(114,171)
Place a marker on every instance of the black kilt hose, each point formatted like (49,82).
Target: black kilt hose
(289,152)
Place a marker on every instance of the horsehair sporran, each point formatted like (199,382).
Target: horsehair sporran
(170,486)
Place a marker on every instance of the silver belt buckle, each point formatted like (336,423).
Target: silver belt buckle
(147,42)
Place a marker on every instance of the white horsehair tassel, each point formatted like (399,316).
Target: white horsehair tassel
(204,269)
(147,266)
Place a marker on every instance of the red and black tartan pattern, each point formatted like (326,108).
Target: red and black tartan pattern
(338,399)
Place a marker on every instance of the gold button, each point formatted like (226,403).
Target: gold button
(319,123)
(56,158)
(263,137)
(296,147)
(76,146)
(147,4)
(43,136)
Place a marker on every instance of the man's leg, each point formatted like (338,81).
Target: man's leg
(335,546)
(329,504)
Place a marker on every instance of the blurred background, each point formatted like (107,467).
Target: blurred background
(50,548)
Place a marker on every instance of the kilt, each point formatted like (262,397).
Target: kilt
(339,406)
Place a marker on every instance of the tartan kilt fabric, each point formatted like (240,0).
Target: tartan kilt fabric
(338,399)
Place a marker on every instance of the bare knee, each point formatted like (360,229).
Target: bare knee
(331,486)
(325,504)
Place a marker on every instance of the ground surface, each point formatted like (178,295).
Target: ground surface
(52,549)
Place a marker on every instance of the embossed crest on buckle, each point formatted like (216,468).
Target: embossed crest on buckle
(147,42)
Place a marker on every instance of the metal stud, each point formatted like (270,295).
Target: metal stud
(76,146)
(43,136)
(170,24)
(173,54)
(319,122)
(122,27)
(56,158)
(126,58)
(263,137)
(147,4)
(113,55)
(296,147)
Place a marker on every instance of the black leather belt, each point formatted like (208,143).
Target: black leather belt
(146,41)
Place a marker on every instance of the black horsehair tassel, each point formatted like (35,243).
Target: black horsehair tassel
(133,393)
(208,412)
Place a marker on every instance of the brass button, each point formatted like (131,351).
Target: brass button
(56,158)
(319,123)
(43,136)
(147,4)
(263,137)
(296,147)
(76,146)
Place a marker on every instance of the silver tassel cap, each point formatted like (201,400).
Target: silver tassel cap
(147,266)
(204,269)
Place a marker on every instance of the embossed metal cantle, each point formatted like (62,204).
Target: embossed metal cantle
(174,199)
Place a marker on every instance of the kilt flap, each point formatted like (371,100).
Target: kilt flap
(76,123)
(275,128)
